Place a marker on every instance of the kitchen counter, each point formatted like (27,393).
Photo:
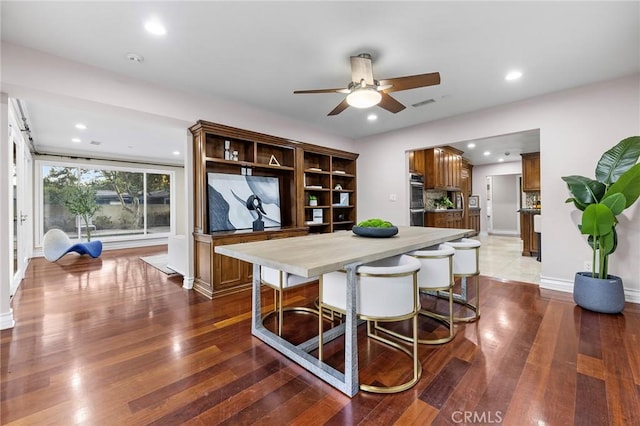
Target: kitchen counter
(442,211)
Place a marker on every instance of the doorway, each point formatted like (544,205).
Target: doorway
(21,194)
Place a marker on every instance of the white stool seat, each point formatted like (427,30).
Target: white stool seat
(466,265)
(281,281)
(386,291)
(436,273)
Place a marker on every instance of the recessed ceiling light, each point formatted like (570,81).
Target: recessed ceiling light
(81,126)
(372,117)
(76,140)
(486,153)
(155,27)
(134,57)
(500,160)
(471,145)
(513,75)
(176,152)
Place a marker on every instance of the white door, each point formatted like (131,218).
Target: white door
(21,235)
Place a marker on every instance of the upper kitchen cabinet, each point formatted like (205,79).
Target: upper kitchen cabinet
(442,168)
(531,172)
(416,162)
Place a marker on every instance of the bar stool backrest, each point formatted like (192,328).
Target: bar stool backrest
(436,267)
(465,261)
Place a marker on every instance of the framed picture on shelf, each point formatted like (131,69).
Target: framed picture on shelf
(474,201)
(227,199)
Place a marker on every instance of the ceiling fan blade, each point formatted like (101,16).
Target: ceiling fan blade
(390,104)
(361,69)
(341,90)
(341,107)
(411,82)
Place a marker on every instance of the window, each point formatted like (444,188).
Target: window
(129,204)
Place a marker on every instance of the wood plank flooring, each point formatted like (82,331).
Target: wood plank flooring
(112,341)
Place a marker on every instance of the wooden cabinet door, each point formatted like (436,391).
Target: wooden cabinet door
(531,172)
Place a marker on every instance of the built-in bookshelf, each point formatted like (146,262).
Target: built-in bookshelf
(317,194)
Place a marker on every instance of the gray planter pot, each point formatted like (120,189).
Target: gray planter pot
(599,295)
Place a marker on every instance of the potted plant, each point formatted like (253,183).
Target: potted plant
(443,202)
(80,200)
(615,188)
(313,200)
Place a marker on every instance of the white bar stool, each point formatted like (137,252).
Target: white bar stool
(387,291)
(281,281)
(466,265)
(436,274)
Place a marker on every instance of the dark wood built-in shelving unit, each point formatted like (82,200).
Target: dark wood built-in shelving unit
(302,169)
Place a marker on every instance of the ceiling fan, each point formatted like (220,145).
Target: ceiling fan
(364,92)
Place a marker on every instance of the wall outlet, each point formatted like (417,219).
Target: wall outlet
(588,265)
(393,197)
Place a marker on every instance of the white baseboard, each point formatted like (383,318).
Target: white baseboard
(6,320)
(187,283)
(630,295)
(504,232)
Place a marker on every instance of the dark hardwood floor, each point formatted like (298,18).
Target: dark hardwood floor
(111,341)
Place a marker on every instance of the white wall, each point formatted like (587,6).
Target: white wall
(504,201)
(479,181)
(576,127)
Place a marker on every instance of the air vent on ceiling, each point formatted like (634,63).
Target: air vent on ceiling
(95,143)
(419,104)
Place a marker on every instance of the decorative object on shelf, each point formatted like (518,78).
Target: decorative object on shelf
(255,203)
(338,187)
(601,200)
(340,217)
(318,217)
(375,228)
(443,203)
(344,198)
(313,200)
(227,195)
(474,201)
(227,153)
(273,161)
(234,156)
(340,172)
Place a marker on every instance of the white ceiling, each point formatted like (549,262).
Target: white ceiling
(258,53)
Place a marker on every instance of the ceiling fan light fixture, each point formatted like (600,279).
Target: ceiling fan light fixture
(364,98)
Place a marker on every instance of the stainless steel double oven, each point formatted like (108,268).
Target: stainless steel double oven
(416,199)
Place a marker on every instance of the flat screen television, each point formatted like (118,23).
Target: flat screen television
(228,194)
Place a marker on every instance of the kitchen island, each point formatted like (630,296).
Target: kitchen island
(527,232)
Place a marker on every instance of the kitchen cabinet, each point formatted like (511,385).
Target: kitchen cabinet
(443,168)
(527,234)
(531,172)
(444,219)
(416,162)
(473,220)
(466,178)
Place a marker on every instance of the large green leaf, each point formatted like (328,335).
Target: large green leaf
(628,184)
(597,220)
(618,160)
(616,203)
(584,191)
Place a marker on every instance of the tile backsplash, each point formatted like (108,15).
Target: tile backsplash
(430,197)
(531,198)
